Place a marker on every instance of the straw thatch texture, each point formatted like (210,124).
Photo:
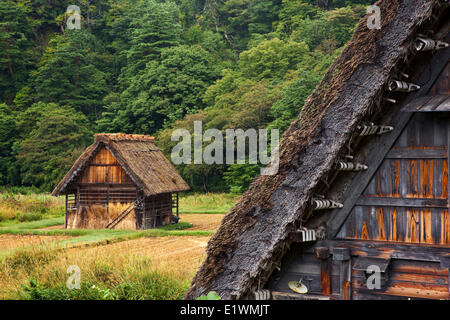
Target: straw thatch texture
(97,217)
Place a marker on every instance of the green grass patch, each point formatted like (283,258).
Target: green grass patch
(108,277)
(10,227)
(147,286)
(26,206)
(177,226)
(212,203)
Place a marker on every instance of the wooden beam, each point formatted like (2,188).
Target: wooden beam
(404,251)
(377,154)
(67,211)
(417,154)
(343,255)
(106,185)
(104,165)
(323,254)
(402,202)
(107,201)
(293,296)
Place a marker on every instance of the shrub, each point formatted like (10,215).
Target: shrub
(28,216)
(177,226)
(148,286)
(28,259)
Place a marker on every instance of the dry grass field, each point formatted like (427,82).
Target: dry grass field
(10,241)
(177,255)
(115,264)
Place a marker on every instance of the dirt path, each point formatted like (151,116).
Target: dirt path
(203,222)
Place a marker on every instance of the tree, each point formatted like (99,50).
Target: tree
(15,48)
(153,27)
(286,110)
(52,146)
(7,136)
(272,59)
(239,176)
(335,24)
(68,74)
(166,91)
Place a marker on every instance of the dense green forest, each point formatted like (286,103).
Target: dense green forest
(149,67)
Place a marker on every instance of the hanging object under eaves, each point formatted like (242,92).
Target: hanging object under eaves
(402,86)
(424,44)
(324,204)
(350,166)
(372,129)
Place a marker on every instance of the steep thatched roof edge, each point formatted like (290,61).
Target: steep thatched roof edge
(253,236)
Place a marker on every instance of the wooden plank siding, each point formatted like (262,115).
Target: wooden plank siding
(407,199)
(104,168)
(413,271)
(104,181)
(442,85)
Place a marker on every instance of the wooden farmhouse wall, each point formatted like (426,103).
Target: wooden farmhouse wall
(104,179)
(407,199)
(104,168)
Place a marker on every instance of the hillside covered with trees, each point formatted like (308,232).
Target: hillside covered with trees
(149,67)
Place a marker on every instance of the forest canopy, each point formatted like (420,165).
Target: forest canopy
(150,67)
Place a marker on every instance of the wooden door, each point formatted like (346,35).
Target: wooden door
(407,199)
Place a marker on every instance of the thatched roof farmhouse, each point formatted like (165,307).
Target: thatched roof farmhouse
(125,171)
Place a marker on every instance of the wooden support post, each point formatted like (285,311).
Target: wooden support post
(323,254)
(107,200)
(345,271)
(445,264)
(67,211)
(143,215)
(177,206)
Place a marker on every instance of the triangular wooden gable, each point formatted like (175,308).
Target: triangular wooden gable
(385,202)
(103,167)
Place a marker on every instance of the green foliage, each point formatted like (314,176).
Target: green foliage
(68,75)
(15,47)
(50,149)
(212,295)
(285,110)
(7,134)
(239,176)
(167,89)
(272,59)
(28,216)
(177,226)
(150,66)
(148,286)
(153,27)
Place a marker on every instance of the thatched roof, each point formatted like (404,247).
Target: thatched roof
(141,159)
(252,238)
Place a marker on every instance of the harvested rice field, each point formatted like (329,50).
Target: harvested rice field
(9,241)
(115,264)
(203,222)
(172,254)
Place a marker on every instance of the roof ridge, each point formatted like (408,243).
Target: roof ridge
(123,137)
